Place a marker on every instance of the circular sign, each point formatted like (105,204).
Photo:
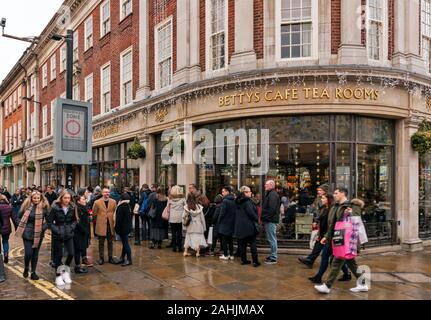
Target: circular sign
(73,127)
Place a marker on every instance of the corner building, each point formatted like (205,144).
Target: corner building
(342,85)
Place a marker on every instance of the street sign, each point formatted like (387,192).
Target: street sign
(73,132)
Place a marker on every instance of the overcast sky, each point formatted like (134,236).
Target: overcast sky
(24,18)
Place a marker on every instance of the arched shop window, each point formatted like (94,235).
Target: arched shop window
(308,151)
(425,196)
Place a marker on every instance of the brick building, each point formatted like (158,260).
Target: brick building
(341,85)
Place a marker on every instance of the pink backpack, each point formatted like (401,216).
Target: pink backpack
(343,238)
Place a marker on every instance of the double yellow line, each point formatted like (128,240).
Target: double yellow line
(43,285)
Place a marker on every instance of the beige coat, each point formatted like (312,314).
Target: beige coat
(103,215)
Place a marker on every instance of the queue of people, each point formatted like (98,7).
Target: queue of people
(196,225)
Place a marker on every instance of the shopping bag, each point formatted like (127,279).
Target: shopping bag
(313,238)
(363,238)
(166,212)
(341,248)
(210,235)
(136,209)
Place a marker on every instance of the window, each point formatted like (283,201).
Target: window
(76,93)
(375,34)
(164,54)
(105,21)
(10,104)
(53,67)
(44,122)
(10,139)
(216,34)
(32,126)
(19,95)
(106,88)
(297,31)
(52,115)
(75,45)
(426,33)
(19,133)
(89,88)
(15,100)
(126,77)
(63,58)
(32,85)
(15,137)
(88,33)
(126,8)
(6,140)
(44,75)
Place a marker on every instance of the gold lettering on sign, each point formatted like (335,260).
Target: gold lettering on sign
(429,104)
(102,133)
(161,114)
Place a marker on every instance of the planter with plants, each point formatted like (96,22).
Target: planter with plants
(136,151)
(421,140)
(31,167)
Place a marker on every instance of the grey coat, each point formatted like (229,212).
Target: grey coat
(197,225)
(176,210)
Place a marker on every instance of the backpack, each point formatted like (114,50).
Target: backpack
(144,205)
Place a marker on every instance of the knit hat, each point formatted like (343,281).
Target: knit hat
(324,187)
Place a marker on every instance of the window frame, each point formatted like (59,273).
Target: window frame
(208,36)
(75,45)
(86,93)
(123,15)
(157,28)
(53,67)
(426,38)
(19,133)
(122,83)
(102,22)
(314,51)
(45,75)
(63,58)
(44,121)
(53,103)
(87,22)
(102,93)
(384,42)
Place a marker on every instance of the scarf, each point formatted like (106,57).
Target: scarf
(37,224)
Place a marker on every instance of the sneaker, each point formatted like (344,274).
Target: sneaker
(322,288)
(223,257)
(256,264)
(231,258)
(59,282)
(305,262)
(66,277)
(360,288)
(270,261)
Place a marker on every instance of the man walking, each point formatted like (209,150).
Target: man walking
(103,211)
(270,218)
(50,195)
(341,206)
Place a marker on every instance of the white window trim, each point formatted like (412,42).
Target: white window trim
(122,54)
(106,2)
(122,17)
(19,96)
(156,55)
(86,46)
(385,37)
(44,121)
(314,33)
(63,53)
(53,65)
(15,136)
(102,107)
(208,68)
(86,96)
(75,45)
(19,133)
(45,75)
(53,103)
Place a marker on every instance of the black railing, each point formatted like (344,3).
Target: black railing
(379,234)
(424,227)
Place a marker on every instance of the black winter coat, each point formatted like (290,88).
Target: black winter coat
(271,207)
(322,220)
(51,197)
(16,202)
(29,228)
(227,216)
(82,231)
(246,217)
(123,219)
(158,222)
(62,225)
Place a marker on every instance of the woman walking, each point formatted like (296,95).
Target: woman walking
(123,227)
(16,202)
(245,226)
(227,223)
(81,237)
(62,221)
(32,224)
(194,220)
(158,225)
(6,215)
(176,205)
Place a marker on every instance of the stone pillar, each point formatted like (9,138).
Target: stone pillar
(269,33)
(244,57)
(324,32)
(407,186)
(36,177)
(147,170)
(144,80)
(407,53)
(37,106)
(186,170)
(351,50)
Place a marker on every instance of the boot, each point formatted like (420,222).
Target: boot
(316,279)
(34,276)
(2,273)
(345,277)
(126,263)
(25,273)
(80,269)
(6,259)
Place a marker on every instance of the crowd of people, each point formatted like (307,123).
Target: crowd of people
(197,225)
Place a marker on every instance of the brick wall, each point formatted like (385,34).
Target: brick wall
(335,25)
(14,116)
(391,28)
(202,35)
(258,28)
(231,28)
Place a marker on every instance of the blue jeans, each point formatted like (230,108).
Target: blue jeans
(324,261)
(126,247)
(5,241)
(271,236)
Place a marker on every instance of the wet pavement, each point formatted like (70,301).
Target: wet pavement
(165,275)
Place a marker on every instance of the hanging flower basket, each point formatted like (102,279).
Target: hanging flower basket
(136,151)
(31,167)
(421,140)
